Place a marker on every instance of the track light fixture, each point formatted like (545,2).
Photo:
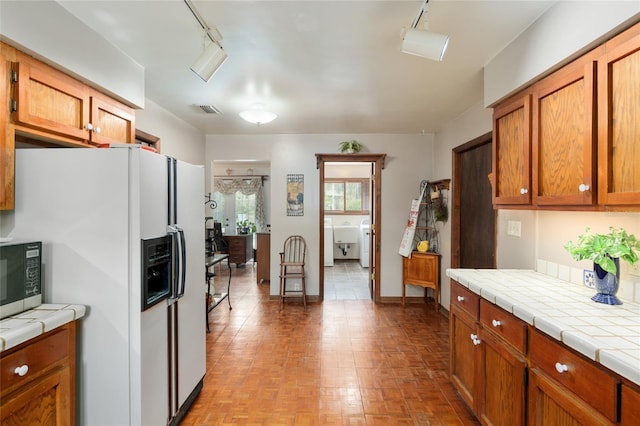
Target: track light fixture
(213,55)
(257,114)
(421,42)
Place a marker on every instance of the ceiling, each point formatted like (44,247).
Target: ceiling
(322,66)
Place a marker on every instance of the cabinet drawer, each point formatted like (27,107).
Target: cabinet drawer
(38,356)
(465,299)
(504,324)
(582,377)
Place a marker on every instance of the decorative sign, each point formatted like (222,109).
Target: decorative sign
(295,195)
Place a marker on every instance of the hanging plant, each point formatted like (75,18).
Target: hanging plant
(350,146)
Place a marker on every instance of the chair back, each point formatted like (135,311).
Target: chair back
(295,250)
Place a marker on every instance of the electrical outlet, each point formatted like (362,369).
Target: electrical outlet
(297,287)
(514,227)
(588,278)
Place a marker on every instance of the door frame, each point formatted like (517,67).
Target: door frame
(456,192)
(377,161)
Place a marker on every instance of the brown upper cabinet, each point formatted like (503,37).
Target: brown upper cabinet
(50,101)
(579,126)
(7,142)
(563,148)
(618,120)
(512,151)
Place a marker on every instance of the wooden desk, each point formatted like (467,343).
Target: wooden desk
(263,257)
(240,248)
(217,296)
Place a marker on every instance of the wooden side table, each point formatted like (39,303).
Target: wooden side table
(422,269)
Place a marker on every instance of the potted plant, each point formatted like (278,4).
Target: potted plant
(245,227)
(606,250)
(350,146)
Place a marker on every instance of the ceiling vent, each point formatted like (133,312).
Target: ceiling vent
(210,109)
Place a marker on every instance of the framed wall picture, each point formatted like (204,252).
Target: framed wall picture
(295,195)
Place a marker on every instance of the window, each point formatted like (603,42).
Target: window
(346,196)
(245,207)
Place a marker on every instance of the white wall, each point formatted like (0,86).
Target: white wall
(565,31)
(178,138)
(50,33)
(408,162)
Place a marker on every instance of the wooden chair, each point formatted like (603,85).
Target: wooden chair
(292,266)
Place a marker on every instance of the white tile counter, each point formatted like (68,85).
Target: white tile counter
(608,334)
(29,324)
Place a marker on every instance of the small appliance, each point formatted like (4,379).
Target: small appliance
(20,277)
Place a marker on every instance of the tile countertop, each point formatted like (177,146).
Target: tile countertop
(29,324)
(607,334)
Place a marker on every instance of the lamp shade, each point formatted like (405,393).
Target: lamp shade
(425,44)
(209,61)
(258,115)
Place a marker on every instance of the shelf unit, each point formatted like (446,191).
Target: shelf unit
(432,209)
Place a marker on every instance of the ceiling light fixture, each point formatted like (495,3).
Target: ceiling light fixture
(213,56)
(421,42)
(257,114)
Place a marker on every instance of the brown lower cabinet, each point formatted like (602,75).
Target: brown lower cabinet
(45,394)
(510,373)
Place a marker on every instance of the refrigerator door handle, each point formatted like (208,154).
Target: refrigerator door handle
(183,262)
(175,264)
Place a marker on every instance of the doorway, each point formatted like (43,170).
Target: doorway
(376,164)
(473,220)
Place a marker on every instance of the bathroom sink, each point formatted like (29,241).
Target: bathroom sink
(345,234)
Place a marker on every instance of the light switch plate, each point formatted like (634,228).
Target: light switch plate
(588,278)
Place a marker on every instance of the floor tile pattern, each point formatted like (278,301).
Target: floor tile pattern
(342,362)
(346,280)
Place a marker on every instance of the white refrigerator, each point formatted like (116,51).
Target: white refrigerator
(92,208)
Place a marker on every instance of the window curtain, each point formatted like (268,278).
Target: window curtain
(247,187)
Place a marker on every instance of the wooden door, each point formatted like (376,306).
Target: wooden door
(50,100)
(618,123)
(473,216)
(464,356)
(111,120)
(7,141)
(512,151)
(563,137)
(501,400)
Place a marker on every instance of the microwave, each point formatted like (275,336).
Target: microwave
(20,277)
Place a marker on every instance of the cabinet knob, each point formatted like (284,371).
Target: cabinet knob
(476,342)
(496,323)
(22,370)
(89,126)
(473,336)
(583,187)
(523,191)
(460,299)
(561,368)
(97,130)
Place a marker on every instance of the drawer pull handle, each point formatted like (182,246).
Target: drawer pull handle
(583,187)
(561,368)
(523,191)
(496,323)
(22,370)
(460,299)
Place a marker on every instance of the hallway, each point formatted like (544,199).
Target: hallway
(343,362)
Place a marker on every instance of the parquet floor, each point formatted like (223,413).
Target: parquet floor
(343,362)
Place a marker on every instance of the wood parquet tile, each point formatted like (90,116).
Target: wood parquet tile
(342,362)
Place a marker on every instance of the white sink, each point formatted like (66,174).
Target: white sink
(345,234)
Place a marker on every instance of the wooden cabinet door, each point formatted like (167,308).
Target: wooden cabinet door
(111,121)
(46,401)
(618,123)
(421,269)
(50,100)
(502,387)
(7,141)
(630,406)
(563,136)
(512,152)
(550,404)
(464,356)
